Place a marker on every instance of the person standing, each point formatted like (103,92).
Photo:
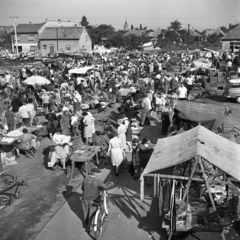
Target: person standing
(24,114)
(88,127)
(122,133)
(65,123)
(77,99)
(146,108)
(10,117)
(182,92)
(116,151)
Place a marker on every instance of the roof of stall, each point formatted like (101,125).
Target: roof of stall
(200,141)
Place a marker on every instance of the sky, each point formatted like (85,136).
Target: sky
(200,14)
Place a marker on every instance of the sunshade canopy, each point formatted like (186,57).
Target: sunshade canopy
(215,149)
(80,70)
(36,80)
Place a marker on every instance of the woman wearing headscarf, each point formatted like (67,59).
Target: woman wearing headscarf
(116,151)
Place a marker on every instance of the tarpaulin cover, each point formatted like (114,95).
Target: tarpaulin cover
(198,141)
(208,115)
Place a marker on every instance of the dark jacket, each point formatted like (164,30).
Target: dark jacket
(92,187)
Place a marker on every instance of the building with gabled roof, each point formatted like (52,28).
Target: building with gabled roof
(27,37)
(232,40)
(51,36)
(64,39)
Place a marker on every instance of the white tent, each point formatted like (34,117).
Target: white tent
(80,70)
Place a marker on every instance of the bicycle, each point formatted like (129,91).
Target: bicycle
(8,181)
(100,215)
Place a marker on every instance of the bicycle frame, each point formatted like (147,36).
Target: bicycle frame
(15,194)
(99,210)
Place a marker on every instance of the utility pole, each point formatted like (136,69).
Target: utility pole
(15,29)
(188,36)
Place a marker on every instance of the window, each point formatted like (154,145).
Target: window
(68,48)
(18,38)
(44,46)
(31,37)
(61,49)
(86,37)
(32,48)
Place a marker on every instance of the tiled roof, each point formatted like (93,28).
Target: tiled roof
(137,33)
(29,28)
(62,33)
(154,34)
(233,34)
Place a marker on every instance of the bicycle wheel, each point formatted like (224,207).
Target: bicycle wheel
(4,201)
(7,179)
(98,224)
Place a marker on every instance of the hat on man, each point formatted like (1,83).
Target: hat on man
(95,170)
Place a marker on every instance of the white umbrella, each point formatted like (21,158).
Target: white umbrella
(36,80)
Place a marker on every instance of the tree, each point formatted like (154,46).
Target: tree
(84,21)
(5,40)
(132,27)
(140,27)
(175,25)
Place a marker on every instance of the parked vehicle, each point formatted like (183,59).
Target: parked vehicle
(233,89)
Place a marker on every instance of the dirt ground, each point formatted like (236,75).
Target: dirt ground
(48,191)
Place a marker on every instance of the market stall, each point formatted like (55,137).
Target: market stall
(194,113)
(202,194)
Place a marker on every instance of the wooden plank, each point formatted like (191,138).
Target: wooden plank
(207,184)
(188,187)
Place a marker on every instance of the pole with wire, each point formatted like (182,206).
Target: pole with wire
(15,30)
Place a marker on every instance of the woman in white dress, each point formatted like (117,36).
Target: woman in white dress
(116,151)
(88,127)
(122,134)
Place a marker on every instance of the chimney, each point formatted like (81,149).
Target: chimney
(59,20)
(68,20)
(46,19)
(30,22)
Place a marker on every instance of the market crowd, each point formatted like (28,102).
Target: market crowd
(71,102)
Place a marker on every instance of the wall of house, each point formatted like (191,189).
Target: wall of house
(85,43)
(25,42)
(66,46)
(225,45)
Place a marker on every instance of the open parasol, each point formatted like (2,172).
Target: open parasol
(36,80)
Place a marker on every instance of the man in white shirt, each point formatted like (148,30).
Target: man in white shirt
(31,110)
(189,81)
(25,115)
(146,108)
(182,92)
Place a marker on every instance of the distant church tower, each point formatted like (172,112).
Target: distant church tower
(125,26)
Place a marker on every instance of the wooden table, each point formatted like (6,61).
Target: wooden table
(85,157)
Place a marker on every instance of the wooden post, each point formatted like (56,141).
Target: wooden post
(187,189)
(207,184)
(1,166)
(141,189)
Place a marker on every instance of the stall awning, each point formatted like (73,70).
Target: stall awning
(208,115)
(80,70)
(200,141)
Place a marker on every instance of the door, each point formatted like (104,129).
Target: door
(51,50)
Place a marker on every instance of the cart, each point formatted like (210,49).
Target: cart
(202,194)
